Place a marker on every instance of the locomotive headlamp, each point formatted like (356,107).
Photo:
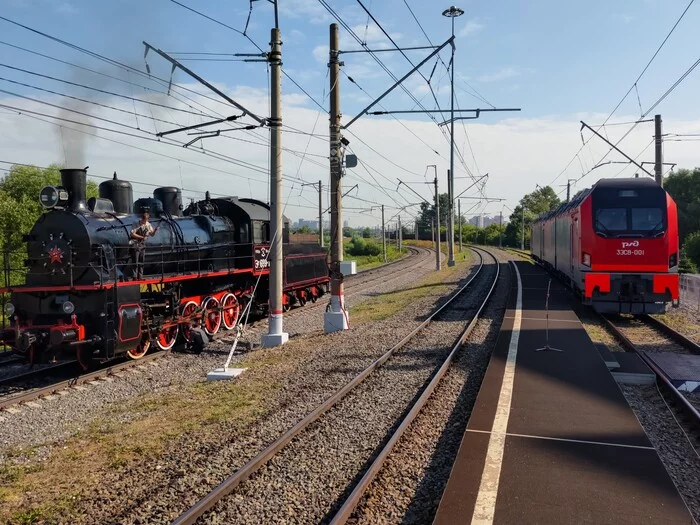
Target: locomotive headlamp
(10,309)
(68,307)
(673,260)
(586,259)
(51,196)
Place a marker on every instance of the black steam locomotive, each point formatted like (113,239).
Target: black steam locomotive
(201,266)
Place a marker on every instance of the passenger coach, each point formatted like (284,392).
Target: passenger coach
(616,244)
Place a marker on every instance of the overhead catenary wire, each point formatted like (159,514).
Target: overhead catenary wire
(639,77)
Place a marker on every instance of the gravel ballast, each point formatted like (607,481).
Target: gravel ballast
(306,480)
(409,487)
(303,373)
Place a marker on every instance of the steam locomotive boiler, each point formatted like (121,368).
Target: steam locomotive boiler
(202,264)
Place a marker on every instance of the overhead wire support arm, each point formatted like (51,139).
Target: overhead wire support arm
(484,176)
(197,126)
(584,125)
(477,112)
(199,79)
(414,191)
(416,48)
(398,82)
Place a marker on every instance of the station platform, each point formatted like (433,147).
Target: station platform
(551,438)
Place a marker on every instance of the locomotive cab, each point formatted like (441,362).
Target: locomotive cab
(616,243)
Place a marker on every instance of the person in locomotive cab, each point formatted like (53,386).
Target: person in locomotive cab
(138,242)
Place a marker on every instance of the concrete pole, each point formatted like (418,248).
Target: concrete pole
(451,173)
(398,236)
(335,318)
(320,212)
(459,215)
(416,232)
(275,335)
(437,224)
(383,235)
(500,229)
(659,157)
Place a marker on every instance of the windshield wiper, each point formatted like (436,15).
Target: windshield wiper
(601,225)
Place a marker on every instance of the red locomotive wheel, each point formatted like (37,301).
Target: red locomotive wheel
(140,350)
(212,315)
(167,337)
(188,313)
(231,310)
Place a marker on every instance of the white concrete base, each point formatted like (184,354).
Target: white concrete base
(272,340)
(335,322)
(224,373)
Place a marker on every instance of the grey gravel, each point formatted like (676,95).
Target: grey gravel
(213,453)
(63,416)
(665,432)
(409,487)
(306,480)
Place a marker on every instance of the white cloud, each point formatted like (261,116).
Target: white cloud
(321,54)
(502,74)
(472,26)
(527,140)
(310,10)
(623,17)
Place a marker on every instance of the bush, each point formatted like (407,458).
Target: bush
(359,246)
(691,251)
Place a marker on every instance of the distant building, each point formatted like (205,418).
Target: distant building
(482,221)
(309,224)
(346,224)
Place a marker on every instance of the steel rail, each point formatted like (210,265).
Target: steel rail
(32,395)
(672,333)
(677,396)
(227,486)
(348,507)
(364,285)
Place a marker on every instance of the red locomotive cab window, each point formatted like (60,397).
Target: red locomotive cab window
(639,212)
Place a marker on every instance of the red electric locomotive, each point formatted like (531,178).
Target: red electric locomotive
(616,244)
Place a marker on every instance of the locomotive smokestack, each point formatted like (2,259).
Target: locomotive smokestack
(74,181)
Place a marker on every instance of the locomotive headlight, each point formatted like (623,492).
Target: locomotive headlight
(673,260)
(10,309)
(68,307)
(586,260)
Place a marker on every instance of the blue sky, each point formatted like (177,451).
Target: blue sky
(558,61)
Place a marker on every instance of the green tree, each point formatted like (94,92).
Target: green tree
(684,188)
(427,215)
(366,233)
(348,231)
(304,229)
(20,208)
(691,250)
(536,203)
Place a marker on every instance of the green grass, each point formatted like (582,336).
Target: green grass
(365,262)
(385,305)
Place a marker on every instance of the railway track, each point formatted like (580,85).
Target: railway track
(30,384)
(647,334)
(450,320)
(70,379)
(365,281)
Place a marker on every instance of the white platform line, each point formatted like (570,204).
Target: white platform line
(567,440)
(543,319)
(485,506)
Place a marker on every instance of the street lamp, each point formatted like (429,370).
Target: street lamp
(453,12)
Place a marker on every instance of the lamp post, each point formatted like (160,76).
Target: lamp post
(452,13)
